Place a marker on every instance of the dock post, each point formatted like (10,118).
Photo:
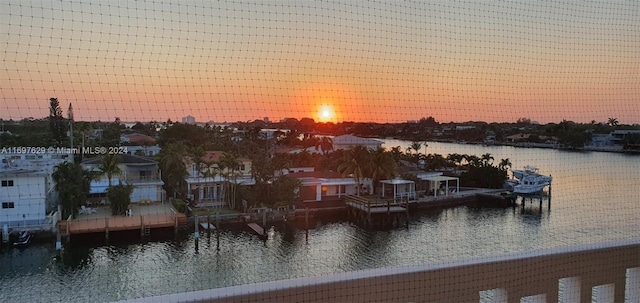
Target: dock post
(141,227)
(540,201)
(196,234)
(218,229)
(549,200)
(407,212)
(368,214)
(306,223)
(106,230)
(208,223)
(58,240)
(175,225)
(67,228)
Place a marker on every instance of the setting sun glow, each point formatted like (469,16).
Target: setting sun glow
(326,114)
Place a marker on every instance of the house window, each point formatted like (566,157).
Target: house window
(8,205)
(7,183)
(241,167)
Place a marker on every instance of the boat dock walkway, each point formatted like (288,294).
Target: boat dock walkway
(257,228)
(143,218)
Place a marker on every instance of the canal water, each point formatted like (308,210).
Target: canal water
(596,198)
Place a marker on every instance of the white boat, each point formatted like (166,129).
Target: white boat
(530,181)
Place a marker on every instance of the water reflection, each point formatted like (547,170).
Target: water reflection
(587,207)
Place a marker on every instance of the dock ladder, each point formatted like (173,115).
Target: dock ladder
(5,234)
(147,230)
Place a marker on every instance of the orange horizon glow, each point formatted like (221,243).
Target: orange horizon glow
(228,64)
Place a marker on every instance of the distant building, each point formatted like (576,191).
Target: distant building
(614,140)
(464,127)
(349,141)
(143,150)
(137,138)
(617,137)
(189,120)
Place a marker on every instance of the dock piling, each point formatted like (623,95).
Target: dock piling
(218,230)
(306,223)
(106,230)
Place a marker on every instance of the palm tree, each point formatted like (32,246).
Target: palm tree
(109,166)
(487,159)
(356,163)
(325,144)
(504,164)
(396,153)
(472,160)
(228,166)
(73,184)
(197,154)
(415,145)
(613,122)
(383,166)
(435,161)
(171,162)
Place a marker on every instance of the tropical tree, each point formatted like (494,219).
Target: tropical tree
(120,197)
(355,163)
(415,145)
(73,184)
(325,144)
(197,156)
(472,160)
(435,162)
(171,162)
(455,159)
(228,167)
(613,122)
(396,153)
(56,122)
(109,166)
(285,191)
(486,159)
(505,164)
(383,166)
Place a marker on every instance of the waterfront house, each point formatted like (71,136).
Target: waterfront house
(27,189)
(142,173)
(142,150)
(328,186)
(206,183)
(398,189)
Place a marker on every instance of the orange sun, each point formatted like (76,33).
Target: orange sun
(326,113)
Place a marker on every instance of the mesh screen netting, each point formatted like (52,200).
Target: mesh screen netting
(306,151)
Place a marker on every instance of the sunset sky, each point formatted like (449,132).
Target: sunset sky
(389,61)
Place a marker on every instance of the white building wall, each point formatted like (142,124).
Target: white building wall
(28,195)
(144,191)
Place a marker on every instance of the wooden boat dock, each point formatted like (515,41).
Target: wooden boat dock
(371,211)
(143,218)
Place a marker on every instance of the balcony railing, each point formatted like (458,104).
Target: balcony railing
(146,178)
(608,272)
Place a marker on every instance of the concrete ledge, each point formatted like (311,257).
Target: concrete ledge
(518,275)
